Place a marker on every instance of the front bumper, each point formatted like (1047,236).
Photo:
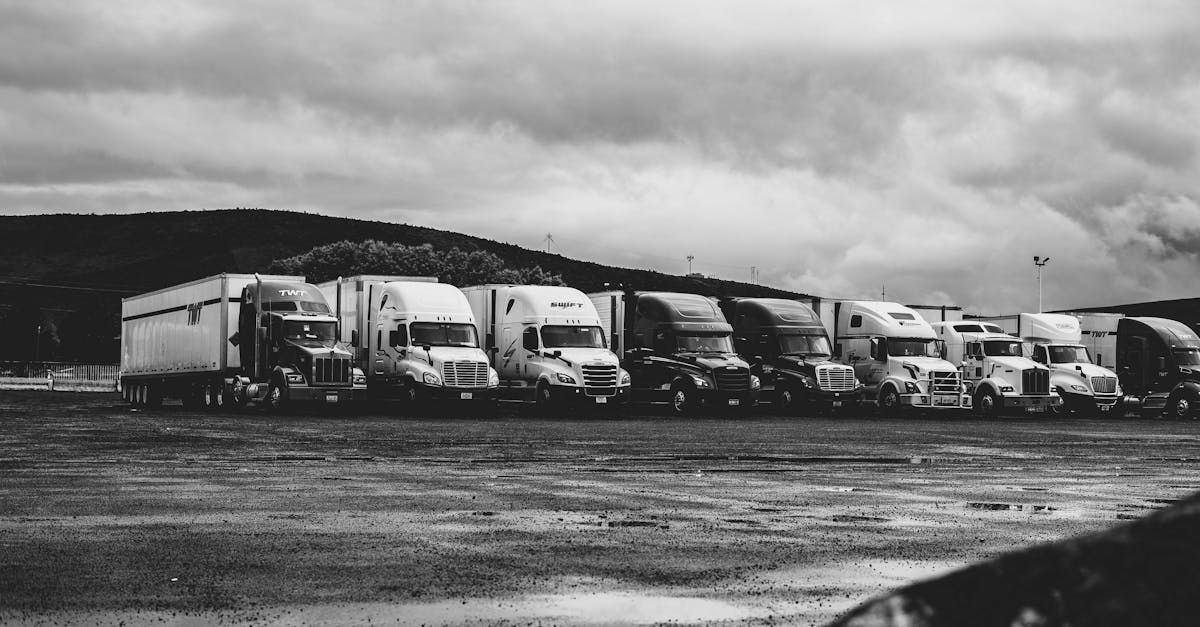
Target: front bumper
(449,394)
(1089,403)
(1031,403)
(723,398)
(326,395)
(936,401)
(577,395)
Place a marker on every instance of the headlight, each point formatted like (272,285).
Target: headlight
(625,380)
(360,379)
(1079,388)
(700,382)
(493,378)
(565,378)
(755,383)
(1006,388)
(432,378)
(911,388)
(295,377)
(806,382)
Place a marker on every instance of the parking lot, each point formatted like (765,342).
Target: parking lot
(110,515)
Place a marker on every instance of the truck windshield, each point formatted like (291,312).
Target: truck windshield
(1069,355)
(912,348)
(1002,348)
(564,336)
(304,331)
(1186,356)
(703,343)
(443,334)
(804,345)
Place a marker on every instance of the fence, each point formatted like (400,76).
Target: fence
(54,376)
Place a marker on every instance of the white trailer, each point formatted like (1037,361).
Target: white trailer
(547,345)
(414,338)
(233,338)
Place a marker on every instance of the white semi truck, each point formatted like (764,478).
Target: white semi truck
(1056,340)
(547,345)
(995,369)
(231,339)
(897,356)
(414,338)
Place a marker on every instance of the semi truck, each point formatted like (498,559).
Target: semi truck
(678,348)
(995,369)
(414,338)
(232,339)
(1158,363)
(788,348)
(897,356)
(1056,341)
(547,345)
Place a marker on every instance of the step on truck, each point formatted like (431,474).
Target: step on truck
(897,357)
(995,369)
(788,348)
(547,345)
(678,348)
(1158,362)
(232,339)
(415,339)
(1056,341)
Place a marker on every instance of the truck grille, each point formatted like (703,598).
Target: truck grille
(733,379)
(331,371)
(835,378)
(600,379)
(1035,381)
(944,382)
(1104,385)
(465,374)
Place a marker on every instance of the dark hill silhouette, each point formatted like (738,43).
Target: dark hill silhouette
(62,264)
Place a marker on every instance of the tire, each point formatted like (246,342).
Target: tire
(220,398)
(684,399)
(889,401)
(1060,410)
(276,398)
(414,401)
(1179,407)
(786,401)
(543,397)
(986,404)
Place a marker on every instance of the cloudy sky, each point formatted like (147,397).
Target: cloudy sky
(932,147)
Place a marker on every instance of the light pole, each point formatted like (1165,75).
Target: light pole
(1039,262)
(37,344)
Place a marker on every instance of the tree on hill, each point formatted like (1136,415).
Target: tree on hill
(454,266)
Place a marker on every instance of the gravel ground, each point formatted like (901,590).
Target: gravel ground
(110,516)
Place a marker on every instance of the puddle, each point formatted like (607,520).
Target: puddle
(1016,507)
(851,518)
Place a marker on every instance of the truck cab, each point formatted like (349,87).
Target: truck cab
(995,369)
(1158,362)
(897,356)
(547,345)
(1055,340)
(288,337)
(678,348)
(789,350)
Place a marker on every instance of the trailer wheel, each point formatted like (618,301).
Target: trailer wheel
(1179,407)
(219,398)
(683,399)
(889,401)
(987,404)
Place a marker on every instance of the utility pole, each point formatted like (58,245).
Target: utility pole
(883,292)
(37,344)
(548,241)
(754,274)
(690,258)
(1039,262)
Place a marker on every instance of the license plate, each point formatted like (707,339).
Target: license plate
(837,403)
(945,400)
(1105,407)
(734,402)
(466,396)
(331,398)
(601,400)
(1035,410)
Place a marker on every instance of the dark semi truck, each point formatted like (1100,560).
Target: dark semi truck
(1158,363)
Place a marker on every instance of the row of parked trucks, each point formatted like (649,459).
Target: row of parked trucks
(269,340)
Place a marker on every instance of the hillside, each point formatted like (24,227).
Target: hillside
(56,269)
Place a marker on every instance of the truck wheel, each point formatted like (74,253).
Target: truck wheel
(544,396)
(986,404)
(1061,408)
(276,398)
(1179,407)
(889,401)
(413,399)
(785,401)
(683,399)
(220,399)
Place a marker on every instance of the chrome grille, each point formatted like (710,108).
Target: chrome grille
(331,371)
(465,374)
(944,382)
(835,378)
(1035,381)
(733,379)
(1104,385)
(600,379)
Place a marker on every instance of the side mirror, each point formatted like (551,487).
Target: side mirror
(556,353)
(875,348)
(354,338)
(426,347)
